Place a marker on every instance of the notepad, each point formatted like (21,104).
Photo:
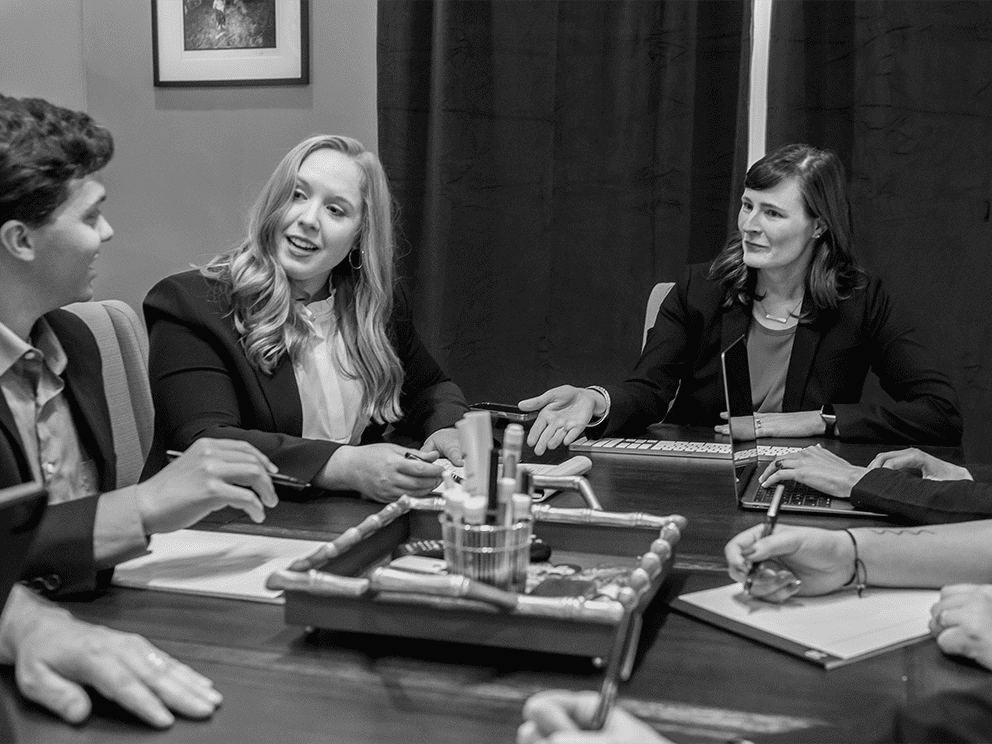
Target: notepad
(831,631)
(215,564)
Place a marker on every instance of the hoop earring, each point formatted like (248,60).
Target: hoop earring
(351,259)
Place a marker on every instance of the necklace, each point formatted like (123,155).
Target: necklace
(777,318)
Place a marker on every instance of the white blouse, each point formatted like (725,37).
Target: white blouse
(331,396)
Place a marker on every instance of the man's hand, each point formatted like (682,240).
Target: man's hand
(817,468)
(55,656)
(962,622)
(211,474)
(928,466)
(562,717)
(565,413)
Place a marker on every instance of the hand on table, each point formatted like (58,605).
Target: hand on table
(565,413)
(816,467)
(55,656)
(382,472)
(962,622)
(559,717)
(929,466)
(447,443)
(211,474)
(821,560)
(786,425)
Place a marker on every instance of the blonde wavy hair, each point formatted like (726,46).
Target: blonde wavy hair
(270,323)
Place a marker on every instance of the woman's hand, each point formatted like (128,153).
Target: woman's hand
(817,468)
(446,443)
(381,472)
(565,413)
(822,561)
(562,717)
(797,424)
(962,622)
(913,459)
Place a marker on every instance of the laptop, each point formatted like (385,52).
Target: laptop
(21,508)
(747,466)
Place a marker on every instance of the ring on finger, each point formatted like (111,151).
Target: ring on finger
(156,659)
(777,464)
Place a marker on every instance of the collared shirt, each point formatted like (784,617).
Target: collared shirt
(331,394)
(32,385)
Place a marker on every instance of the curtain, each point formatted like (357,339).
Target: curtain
(903,92)
(552,161)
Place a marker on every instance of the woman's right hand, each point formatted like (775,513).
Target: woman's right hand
(381,472)
(913,459)
(565,413)
(822,560)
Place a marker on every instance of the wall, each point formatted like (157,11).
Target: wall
(188,162)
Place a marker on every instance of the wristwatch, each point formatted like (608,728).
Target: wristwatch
(829,420)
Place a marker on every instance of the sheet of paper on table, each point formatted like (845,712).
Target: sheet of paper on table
(215,564)
(830,631)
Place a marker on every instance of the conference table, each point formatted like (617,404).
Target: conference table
(691,681)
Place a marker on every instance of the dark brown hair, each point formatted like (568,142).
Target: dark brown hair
(833,270)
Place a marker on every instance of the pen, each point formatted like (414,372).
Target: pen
(770,518)
(611,679)
(278,478)
(450,470)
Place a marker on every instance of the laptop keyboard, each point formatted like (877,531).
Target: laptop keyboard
(707,450)
(796,494)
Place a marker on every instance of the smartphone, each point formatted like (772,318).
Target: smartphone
(506,411)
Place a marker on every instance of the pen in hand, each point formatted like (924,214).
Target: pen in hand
(449,469)
(770,519)
(279,479)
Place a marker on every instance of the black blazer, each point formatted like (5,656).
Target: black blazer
(61,558)
(204,386)
(830,359)
(913,499)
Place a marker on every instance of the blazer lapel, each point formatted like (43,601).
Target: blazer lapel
(734,324)
(804,346)
(8,430)
(83,378)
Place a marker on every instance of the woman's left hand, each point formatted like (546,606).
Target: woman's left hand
(446,443)
(797,424)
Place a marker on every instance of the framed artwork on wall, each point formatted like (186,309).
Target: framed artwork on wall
(202,43)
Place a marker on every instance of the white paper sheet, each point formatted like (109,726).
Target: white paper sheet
(841,624)
(216,564)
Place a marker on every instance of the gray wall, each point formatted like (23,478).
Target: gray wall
(189,162)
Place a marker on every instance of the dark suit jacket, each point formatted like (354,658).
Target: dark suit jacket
(831,357)
(61,558)
(204,386)
(905,495)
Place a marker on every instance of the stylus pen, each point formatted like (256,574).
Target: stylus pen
(278,478)
(450,470)
(770,519)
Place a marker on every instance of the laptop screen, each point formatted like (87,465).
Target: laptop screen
(21,508)
(740,408)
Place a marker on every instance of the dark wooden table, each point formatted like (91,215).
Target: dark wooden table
(693,682)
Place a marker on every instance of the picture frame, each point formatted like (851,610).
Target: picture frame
(221,43)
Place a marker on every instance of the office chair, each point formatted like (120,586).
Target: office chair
(123,344)
(657,296)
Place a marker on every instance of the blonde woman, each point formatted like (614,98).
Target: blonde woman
(300,341)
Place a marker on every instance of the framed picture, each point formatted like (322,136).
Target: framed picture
(200,43)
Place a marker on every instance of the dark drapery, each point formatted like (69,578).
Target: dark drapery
(903,91)
(552,161)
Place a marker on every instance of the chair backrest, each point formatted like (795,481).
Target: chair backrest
(123,344)
(657,296)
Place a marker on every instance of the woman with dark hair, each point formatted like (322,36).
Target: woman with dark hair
(816,323)
(300,342)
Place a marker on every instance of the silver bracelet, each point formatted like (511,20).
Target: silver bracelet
(602,391)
